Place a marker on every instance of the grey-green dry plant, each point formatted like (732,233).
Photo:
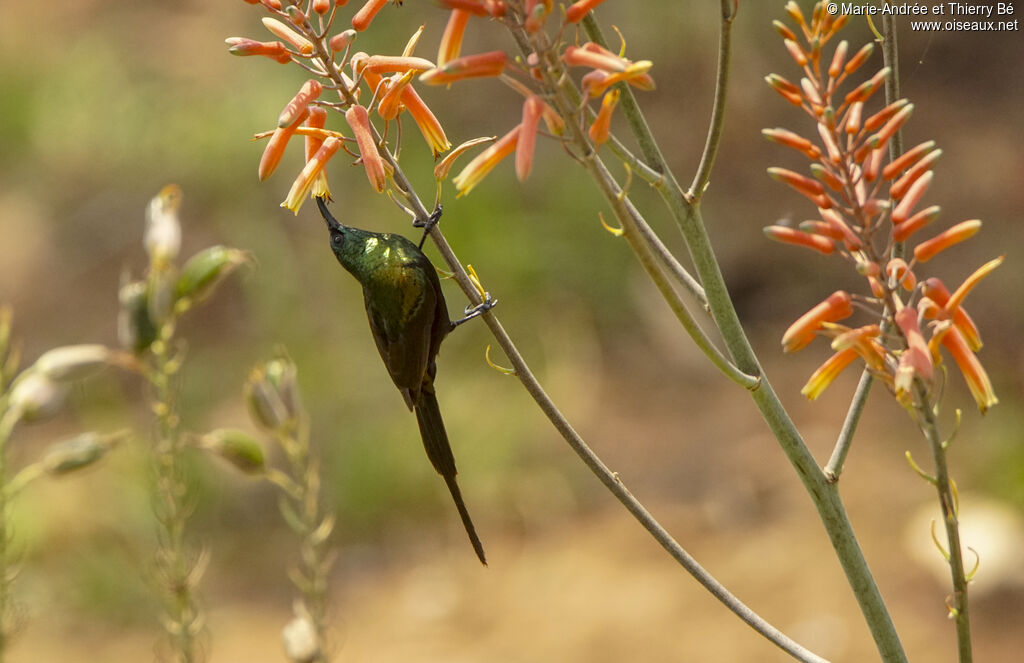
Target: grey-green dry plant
(150,311)
(35,394)
(374,91)
(275,407)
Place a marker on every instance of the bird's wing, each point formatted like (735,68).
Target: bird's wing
(402,332)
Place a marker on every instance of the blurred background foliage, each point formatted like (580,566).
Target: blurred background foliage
(102,103)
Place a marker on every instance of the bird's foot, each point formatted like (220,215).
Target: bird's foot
(475,311)
(432,220)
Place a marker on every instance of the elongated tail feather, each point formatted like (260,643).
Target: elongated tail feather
(439,451)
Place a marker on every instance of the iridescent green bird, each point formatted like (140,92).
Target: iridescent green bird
(409,319)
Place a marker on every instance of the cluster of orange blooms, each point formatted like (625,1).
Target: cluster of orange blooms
(303,29)
(867,207)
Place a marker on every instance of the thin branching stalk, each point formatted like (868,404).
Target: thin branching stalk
(8,420)
(686,213)
(950,517)
(707,159)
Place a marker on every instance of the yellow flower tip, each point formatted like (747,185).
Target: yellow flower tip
(426,121)
(442,169)
(974,374)
(826,374)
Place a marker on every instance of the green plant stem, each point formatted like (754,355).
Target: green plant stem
(707,159)
(179,572)
(8,420)
(824,494)
(834,467)
(949,504)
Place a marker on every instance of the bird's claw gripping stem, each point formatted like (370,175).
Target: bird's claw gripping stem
(432,220)
(475,311)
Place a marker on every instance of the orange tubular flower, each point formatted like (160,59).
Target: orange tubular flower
(310,174)
(480,65)
(972,370)
(912,197)
(532,109)
(577,10)
(907,159)
(580,56)
(601,128)
(827,373)
(451,40)
(425,120)
(936,290)
(359,121)
(802,184)
(836,307)
(366,14)
(925,251)
(792,140)
(536,13)
(786,235)
(275,146)
(390,103)
(484,162)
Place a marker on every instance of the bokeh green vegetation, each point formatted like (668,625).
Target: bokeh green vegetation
(102,103)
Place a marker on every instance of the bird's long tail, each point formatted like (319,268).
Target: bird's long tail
(439,451)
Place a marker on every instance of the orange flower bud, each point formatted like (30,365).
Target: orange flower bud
(912,197)
(904,230)
(281,30)
(873,164)
(274,150)
(821,228)
(850,238)
(468,66)
(367,13)
(390,103)
(309,91)
(601,128)
(274,50)
(577,10)
(900,186)
(825,175)
(819,242)
(789,92)
(532,110)
(784,30)
(925,251)
(838,59)
(802,184)
(798,54)
(836,307)
(864,91)
(342,40)
(576,56)
(907,159)
(321,6)
(853,116)
(859,59)
(884,115)
(536,13)
(795,141)
(359,121)
(451,40)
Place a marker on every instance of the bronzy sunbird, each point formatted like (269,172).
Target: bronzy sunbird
(409,319)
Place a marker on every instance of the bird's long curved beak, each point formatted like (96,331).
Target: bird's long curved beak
(332,223)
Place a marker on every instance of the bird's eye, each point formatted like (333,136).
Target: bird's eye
(337,239)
